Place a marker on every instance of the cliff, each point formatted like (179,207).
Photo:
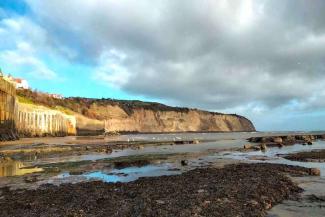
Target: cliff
(136,116)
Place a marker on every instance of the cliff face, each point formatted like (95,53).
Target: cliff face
(145,120)
(137,116)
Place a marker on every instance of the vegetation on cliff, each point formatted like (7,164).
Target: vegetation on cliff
(82,105)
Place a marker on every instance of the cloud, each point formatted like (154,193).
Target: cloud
(216,54)
(223,55)
(23,59)
(22,41)
(111,70)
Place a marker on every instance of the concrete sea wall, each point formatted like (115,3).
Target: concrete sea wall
(34,120)
(7,110)
(27,120)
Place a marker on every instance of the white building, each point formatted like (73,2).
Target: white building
(20,83)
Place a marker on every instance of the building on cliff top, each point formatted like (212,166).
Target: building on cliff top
(55,96)
(19,83)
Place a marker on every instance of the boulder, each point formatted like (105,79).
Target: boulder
(257,148)
(263,146)
(289,139)
(30,179)
(196,141)
(108,150)
(280,145)
(266,139)
(314,172)
(184,162)
(248,146)
(254,139)
(277,140)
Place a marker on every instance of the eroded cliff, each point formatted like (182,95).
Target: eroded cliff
(136,116)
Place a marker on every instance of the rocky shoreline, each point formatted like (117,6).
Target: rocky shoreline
(310,156)
(280,141)
(235,190)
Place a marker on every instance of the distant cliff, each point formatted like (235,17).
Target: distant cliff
(136,116)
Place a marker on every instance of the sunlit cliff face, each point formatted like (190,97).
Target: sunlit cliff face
(262,58)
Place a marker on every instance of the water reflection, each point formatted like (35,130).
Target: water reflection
(10,167)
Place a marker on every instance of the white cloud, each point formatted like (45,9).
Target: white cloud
(23,40)
(110,69)
(23,60)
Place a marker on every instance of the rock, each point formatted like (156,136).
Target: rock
(263,147)
(265,139)
(248,146)
(277,140)
(253,203)
(289,139)
(196,141)
(52,169)
(268,206)
(108,150)
(75,173)
(309,143)
(254,139)
(179,142)
(280,145)
(314,172)
(201,191)
(161,202)
(257,148)
(184,162)
(304,144)
(306,138)
(30,179)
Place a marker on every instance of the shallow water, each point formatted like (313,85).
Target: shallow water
(207,153)
(171,167)
(133,173)
(206,136)
(273,155)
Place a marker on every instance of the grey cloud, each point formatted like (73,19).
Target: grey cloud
(200,53)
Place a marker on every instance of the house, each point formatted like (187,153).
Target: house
(56,96)
(20,83)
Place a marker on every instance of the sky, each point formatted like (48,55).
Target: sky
(263,59)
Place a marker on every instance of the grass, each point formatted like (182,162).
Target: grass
(25,100)
(29,101)
(64,110)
